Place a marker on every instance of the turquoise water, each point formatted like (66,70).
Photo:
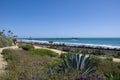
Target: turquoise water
(104,42)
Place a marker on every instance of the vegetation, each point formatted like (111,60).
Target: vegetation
(26,47)
(5,41)
(66,49)
(112,76)
(44,52)
(98,52)
(6,38)
(77,62)
(43,64)
(53,47)
(23,65)
(117,55)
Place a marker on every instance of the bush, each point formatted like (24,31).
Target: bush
(8,56)
(26,47)
(109,59)
(107,66)
(44,52)
(53,47)
(5,41)
(66,49)
(85,52)
(95,60)
(63,55)
(112,76)
(117,55)
(98,52)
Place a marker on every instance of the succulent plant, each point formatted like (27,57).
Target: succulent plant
(77,62)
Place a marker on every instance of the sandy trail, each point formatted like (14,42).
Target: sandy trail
(3,63)
(54,50)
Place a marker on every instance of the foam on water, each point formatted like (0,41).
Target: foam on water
(73,44)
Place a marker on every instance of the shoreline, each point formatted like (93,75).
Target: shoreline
(59,51)
(108,52)
(77,45)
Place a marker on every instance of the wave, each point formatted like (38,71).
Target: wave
(73,44)
(28,41)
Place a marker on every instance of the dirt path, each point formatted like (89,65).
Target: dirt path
(3,63)
(54,50)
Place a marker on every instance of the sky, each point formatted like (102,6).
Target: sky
(61,18)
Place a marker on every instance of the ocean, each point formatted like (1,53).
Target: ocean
(92,42)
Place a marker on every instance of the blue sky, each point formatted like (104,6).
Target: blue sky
(61,18)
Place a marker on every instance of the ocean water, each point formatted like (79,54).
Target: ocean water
(94,42)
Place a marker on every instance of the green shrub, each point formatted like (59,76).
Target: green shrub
(85,52)
(44,52)
(5,41)
(98,52)
(26,47)
(53,47)
(66,49)
(107,66)
(109,59)
(95,60)
(117,55)
(112,76)
(8,56)
(63,55)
